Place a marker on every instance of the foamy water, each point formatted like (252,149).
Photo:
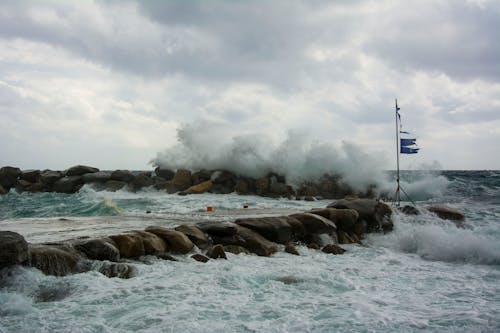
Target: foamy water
(427,275)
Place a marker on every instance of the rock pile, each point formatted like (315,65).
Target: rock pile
(323,229)
(181,181)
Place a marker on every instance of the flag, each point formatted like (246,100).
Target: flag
(408,150)
(408,142)
(404,132)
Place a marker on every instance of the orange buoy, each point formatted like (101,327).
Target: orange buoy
(210,209)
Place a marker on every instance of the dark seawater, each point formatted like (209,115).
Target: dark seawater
(425,276)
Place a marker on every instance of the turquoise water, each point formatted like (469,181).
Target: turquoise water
(426,276)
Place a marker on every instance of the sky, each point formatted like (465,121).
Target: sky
(113,83)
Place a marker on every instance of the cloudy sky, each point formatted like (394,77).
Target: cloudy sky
(111,83)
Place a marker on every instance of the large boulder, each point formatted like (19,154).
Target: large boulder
(276,229)
(96,177)
(142,180)
(122,176)
(114,185)
(217,252)
(13,249)
(249,239)
(223,182)
(315,224)
(262,185)
(242,187)
(152,243)
(377,214)
(99,249)
(199,188)
(182,179)
(80,170)
(32,176)
(49,177)
(176,241)
(68,184)
(130,245)
(53,260)
(195,234)
(344,219)
(218,228)
(201,176)
(8,176)
(447,213)
(164,173)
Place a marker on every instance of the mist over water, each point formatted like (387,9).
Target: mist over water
(298,156)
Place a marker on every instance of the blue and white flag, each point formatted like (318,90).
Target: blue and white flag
(408,150)
(408,142)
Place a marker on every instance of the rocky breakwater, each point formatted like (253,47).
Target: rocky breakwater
(181,181)
(114,256)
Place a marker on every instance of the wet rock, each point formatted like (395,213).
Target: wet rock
(53,260)
(99,249)
(347,238)
(3,190)
(235,249)
(68,184)
(32,176)
(176,241)
(315,224)
(49,177)
(8,176)
(165,256)
(182,179)
(333,249)
(377,214)
(199,188)
(344,219)
(130,245)
(290,248)
(201,176)
(141,180)
(96,177)
(409,210)
(248,239)
(119,270)
(276,229)
(13,249)
(242,187)
(217,252)
(122,176)
(218,229)
(114,185)
(200,257)
(447,213)
(35,187)
(262,185)
(152,243)
(80,170)
(164,173)
(313,246)
(197,236)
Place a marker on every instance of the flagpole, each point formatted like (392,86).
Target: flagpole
(398,196)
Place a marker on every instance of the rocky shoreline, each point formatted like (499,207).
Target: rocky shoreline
(181,181)
(345,221)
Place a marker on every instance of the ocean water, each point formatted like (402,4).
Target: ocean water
(425,276)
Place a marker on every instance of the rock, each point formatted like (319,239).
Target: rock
(309,198)
(176,241)
(122,176)
(8,176)
(52,260)
(96,177)
(182,179)
(290,248)
(308,191)
(130,245)
(333,249)
(241,187)
(315,224)
(141,180)
(196,236)
(248,239)
(199,188)
(221,189)
(275,229)
(447,213)
(152,244)
(409,210)
(223,177)
(346,238)
(344,219)
(22,185)
(235,249)
(49,177)
(80,170)
(32,176)
(261,185)
(165,256)
(13,249)
(376,213)
(3,191)
(164,173)
(119,270)
(36,187)
(313,246)
(99,249)
(114,185)
(217,252)
(200,257)
(68,184)
(219,229)
(201,176)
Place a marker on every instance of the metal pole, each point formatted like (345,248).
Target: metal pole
(398,196)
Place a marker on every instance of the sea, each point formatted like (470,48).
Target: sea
(425,276)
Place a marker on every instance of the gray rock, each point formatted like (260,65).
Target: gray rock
(114,185)
(80,170)
(164,173)
(68,184)
(53,260)
(99,249)
(8,176)
(217,252)
(96,177)
(13,249)
(32,176)
(49,177)
(122,175)
(276,229)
